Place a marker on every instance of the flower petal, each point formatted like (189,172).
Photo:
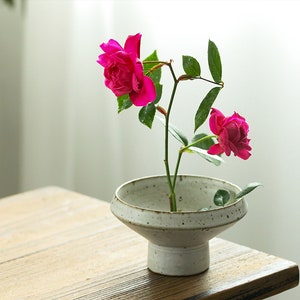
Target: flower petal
(146,94)
(244,154)
(215,121)
(132,45)
(215,149)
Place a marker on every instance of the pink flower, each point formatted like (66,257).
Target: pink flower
(123,71)
(232,134)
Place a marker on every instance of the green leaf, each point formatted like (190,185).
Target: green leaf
(205,106)
(158,89)
(249,188)
(221,197)
(156,74)
(124,102)
(146,114)
(177,134)
(191,66)
(202,147)
(214,159)
(214,62)
(204,144)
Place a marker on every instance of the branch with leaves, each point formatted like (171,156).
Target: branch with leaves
(128,77)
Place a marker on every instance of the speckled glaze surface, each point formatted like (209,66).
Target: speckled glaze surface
(178,241)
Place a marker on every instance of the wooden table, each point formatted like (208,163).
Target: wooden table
(58,244)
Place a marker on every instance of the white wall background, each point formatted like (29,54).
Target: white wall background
(10,97)
(70,134)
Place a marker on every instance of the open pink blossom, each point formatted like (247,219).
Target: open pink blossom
(123,70)
(232,133)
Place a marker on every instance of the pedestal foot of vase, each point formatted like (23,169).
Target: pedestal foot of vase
(178,261)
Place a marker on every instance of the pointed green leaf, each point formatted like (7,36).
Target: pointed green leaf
(205,106)
(214,159)
(177,134)
(124,102)
(203,144)
(214,62)
(249,188)
(191,66)
(158,89)
(221,197)
(155,75)
(146,114)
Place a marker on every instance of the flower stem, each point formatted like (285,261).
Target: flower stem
(191,77)
(172,196)
(196,142)
(181,152)
(158,64)
(177,168)
(172,183)
(221,84)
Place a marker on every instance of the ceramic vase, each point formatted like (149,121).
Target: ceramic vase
(178,242)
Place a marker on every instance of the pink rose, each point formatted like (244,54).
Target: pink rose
(232,134)
(123,71)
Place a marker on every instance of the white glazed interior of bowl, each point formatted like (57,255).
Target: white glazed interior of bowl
(192,194)
(145,202)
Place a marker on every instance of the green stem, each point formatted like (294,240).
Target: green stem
(172,183)
(172,197)
(196,142)
(177,168)
(190,77)
(156,62)
(181,152)
(217,83)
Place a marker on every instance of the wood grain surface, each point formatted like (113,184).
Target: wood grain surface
(58,244)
